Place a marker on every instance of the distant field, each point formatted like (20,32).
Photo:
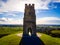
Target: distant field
(55,31)
(10,30)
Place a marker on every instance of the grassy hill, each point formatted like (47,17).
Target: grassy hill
(48,40)
(13,39)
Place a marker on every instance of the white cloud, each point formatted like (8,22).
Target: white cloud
(48,20)
(8,14)
(3,20)
(44,20)
(10,21)
(56,0)
(18,5)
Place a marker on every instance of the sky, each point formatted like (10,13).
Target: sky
(47,11)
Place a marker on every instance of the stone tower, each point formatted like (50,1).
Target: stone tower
(29,21)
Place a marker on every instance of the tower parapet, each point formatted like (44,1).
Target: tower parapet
(33,5)
(29,9)
(29,6)
(25,5)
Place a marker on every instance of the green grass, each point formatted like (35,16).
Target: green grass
(10,40)
(55,31)
(14,40)
(10,30)
(48,40)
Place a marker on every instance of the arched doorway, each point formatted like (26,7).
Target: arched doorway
(29,31)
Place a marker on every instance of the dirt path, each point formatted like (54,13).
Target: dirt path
(20,34)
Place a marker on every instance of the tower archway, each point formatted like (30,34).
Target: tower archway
(29,31)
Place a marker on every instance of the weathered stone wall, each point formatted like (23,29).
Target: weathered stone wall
(29,22)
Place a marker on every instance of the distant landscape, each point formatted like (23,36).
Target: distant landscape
(50,34)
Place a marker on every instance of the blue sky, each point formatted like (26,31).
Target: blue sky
(47,11)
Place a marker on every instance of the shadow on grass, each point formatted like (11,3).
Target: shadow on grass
(2,35)
(31,40)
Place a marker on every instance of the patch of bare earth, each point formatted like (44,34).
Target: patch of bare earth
(20,34)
